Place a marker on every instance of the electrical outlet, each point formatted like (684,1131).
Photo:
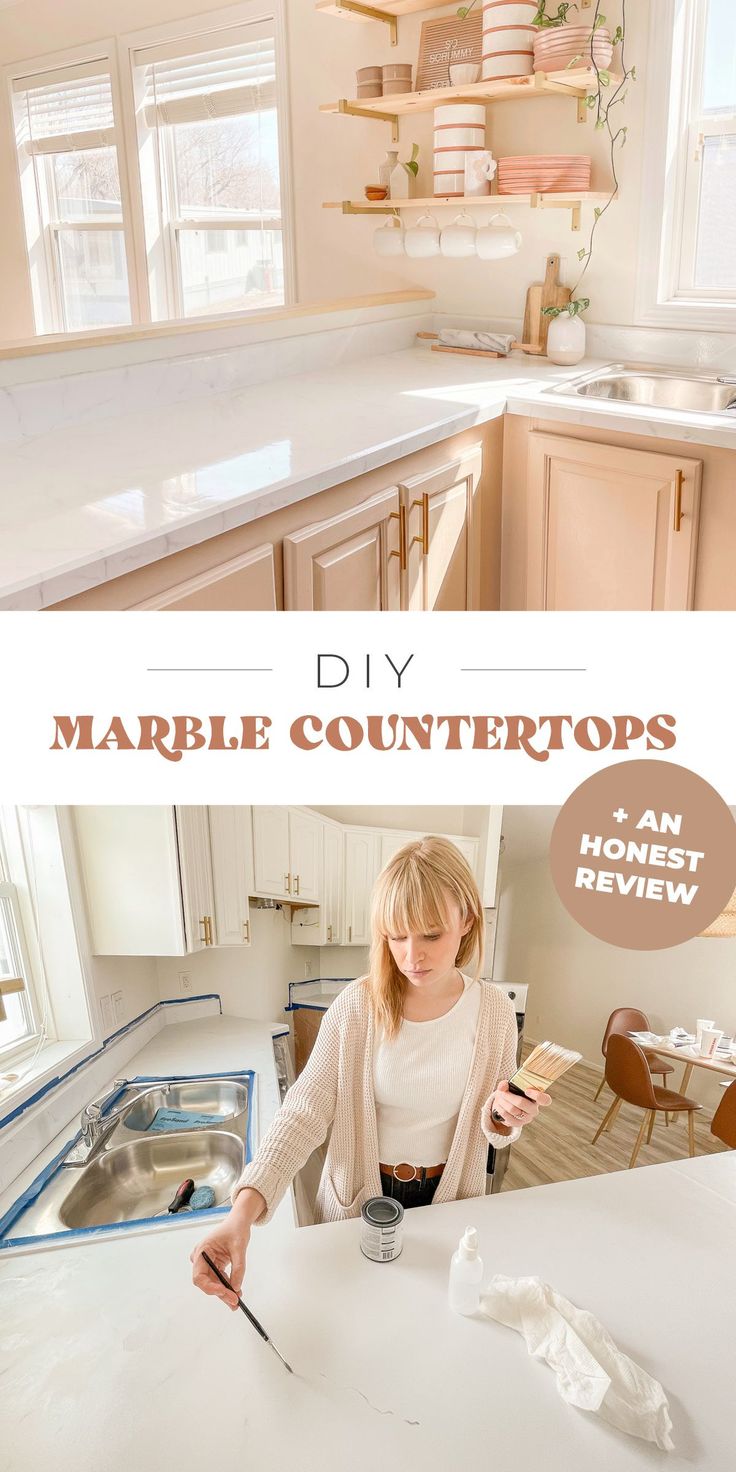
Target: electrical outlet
(108,1021)
(308,969)
(185,981)
(118,1008)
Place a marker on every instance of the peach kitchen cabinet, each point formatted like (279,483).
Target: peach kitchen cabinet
(244,584)
(147,877)
(415,546)
(610,527)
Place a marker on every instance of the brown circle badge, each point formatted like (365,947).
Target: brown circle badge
(643,855)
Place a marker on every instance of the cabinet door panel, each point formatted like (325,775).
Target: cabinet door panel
(346,562)
(193,837)
(130,867)
(361,866)
(602,527)
(305,851)
(332,885)
(271,851)
(443,571)
(245,584)
(231,839)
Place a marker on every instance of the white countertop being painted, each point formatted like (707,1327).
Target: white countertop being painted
(115,1362)
(85,503)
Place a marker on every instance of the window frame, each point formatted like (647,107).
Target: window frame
(34,196)
(165,302)
(41,1026)
(671,178)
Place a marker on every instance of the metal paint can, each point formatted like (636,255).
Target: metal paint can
(382,1229)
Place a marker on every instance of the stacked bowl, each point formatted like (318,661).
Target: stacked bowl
(459,130)
(508,39)
(560,47)
(537,173)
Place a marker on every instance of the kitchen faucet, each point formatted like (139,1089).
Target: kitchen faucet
(726,378)
(95,1128)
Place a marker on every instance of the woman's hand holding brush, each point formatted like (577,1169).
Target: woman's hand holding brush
(227,1244)
(505,1109)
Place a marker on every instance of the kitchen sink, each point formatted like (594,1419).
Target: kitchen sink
(139,1179)
(656,388)
(132,1173)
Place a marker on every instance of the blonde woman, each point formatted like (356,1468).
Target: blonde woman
(409,1073)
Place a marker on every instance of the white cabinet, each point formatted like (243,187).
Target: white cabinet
(287,853)
(323,926)
(231,843)
(362,863)
(392,841)
(147,879)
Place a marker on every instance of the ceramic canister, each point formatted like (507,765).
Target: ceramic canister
(459,128)
(508,38)
(381,1229)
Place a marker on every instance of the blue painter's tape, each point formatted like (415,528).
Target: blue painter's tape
(55,1083)
(73,1234)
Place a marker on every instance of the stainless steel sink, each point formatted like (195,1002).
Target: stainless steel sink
(134,1172)
(656,388)
(223,1098)
(139,1179)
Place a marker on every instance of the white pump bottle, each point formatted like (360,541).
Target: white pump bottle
(466,1275)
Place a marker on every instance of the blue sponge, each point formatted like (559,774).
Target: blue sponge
(203,1197)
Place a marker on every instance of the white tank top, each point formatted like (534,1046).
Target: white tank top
(419,1079)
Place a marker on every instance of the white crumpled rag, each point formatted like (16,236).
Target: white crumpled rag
(591,1372)
(488,342)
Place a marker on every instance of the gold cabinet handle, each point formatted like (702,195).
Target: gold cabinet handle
(329,933)
(423,541)
(400,516)
(350,932)
(679,482)
(287,883)
(203,927)
(296,883)
(246,932)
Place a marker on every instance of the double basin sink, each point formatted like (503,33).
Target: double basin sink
(134,1174)
(656,388)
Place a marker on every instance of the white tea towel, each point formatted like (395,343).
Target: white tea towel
(489,342)
(591,1372)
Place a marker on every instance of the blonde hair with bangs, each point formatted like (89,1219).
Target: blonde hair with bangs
(413,895)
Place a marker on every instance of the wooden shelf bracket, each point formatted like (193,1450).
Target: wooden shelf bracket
(353,110)
(543,202)
(369,12)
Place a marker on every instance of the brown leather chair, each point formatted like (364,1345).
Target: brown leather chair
(628,1077)
(723,1124)
(626,1020)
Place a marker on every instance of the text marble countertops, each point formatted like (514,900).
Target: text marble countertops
(85,503)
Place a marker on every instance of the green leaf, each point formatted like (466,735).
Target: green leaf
(463,11)
(600,125)
(582,254)
(632,73)
(597,212)
(604,79)
(618,35)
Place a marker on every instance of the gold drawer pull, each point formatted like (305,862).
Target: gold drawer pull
(679,481)
(287,883)
(329,933)
(423,541)
(296,883)
(203,927)
(400,516)
(246,932)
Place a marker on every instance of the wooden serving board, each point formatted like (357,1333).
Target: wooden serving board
(547,293)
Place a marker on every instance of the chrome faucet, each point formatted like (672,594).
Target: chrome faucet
(726,378)
(96,1127)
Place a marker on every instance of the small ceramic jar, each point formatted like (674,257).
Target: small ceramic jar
(566,339)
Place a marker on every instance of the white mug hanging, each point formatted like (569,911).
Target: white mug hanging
(494,241)
(479,170)
(458,239)
(422,239)
(389,240)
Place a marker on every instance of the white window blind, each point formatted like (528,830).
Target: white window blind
(183,84)
(71,110)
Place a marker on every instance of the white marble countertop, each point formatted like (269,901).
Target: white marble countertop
(80,505)
(113,1360)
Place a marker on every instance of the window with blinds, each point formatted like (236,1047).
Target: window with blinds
(68,158)
(210,103)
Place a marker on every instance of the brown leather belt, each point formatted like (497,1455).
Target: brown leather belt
(405,1173)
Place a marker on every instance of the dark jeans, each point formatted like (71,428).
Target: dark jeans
(410,1193)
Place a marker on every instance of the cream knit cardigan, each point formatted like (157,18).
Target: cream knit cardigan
(336,1089)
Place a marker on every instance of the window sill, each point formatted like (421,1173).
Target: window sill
(690,315)
(54,1058)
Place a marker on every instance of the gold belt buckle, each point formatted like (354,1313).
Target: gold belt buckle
(405,1166)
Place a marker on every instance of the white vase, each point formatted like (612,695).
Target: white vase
(566,339)
(398,184)
(386,168)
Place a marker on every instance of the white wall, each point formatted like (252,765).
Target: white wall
(575,981)
(135,976)
(334,157)
(252,981)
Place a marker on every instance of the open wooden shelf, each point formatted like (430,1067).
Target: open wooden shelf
(578,84)
(499,202)
(388,11)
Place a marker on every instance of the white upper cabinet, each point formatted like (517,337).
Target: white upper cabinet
(323,925)
(362,863)
(147,879)
(305,850)
(231,841)
(271,851)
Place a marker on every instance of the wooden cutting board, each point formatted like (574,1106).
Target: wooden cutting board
(547,293)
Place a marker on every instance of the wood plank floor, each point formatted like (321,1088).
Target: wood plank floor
(557,1147)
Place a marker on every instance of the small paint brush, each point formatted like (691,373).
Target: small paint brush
(258,1327)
